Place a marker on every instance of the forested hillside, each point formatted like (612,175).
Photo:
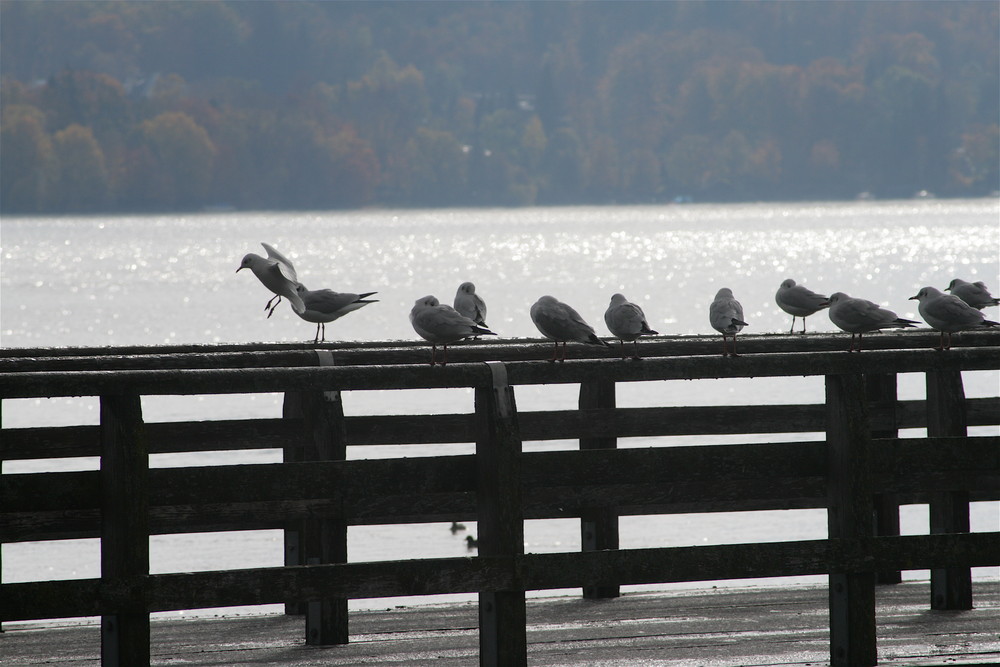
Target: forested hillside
(169,105)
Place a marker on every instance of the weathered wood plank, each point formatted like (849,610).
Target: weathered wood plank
(124,502)
(637,481)
(850,520)
(225,435)
(166,592)
(951,588)
(382,352)
(502,614)
(599,524)
(225,381)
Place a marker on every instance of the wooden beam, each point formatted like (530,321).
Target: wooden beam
(502,614)
(598,525)
(951,588)
(124,530)
(849,519)
(412,376)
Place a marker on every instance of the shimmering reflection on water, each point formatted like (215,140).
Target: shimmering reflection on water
(171,279)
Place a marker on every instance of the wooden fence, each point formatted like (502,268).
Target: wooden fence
(861,472)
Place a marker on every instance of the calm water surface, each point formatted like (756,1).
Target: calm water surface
(171,279)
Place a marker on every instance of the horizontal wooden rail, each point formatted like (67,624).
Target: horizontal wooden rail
(167,592)
(463,375)
(242,434)
(405,352)
(556,484)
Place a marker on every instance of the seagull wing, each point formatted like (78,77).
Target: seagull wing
(285,264)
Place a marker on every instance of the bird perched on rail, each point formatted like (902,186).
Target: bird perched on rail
(558,322)
(726,316)
(470,304)
(948,314)
(799,301)
(626,321)
(975,294)
(324,305)
(277,274)
(859,316)
(441,324)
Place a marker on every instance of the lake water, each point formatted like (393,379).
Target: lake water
(171,279)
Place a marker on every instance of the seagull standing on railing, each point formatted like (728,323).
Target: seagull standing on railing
(948,314)
(626,321)
(325,305)
(975,294)
(441,324)
(726,316)
(799,301)
(859,316)
(560,323)
(277,274)
(470,304)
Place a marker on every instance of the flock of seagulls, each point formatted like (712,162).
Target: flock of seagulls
(441,324)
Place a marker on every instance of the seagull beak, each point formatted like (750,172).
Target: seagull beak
(912,298)
(240,269)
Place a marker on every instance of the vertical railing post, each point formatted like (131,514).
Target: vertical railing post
(293,452)
(502,620)
(881,391)
(850,520)
(951,588)
(599,525)
(320,540)
(124,530)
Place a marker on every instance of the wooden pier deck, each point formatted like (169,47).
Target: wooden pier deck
(715,627)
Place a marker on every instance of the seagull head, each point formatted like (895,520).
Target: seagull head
(925,293)
(248,261)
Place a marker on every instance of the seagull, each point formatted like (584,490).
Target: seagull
(470,304)
(441,324)
(799,301)
(948,314)
(726,316)
(277,274)
(975,294)
(559,322)
(858,316)
(325,305)
(626,321)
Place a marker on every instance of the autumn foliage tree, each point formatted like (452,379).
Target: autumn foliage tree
(180,105)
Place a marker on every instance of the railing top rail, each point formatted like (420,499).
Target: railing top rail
(403,351)
(457,375)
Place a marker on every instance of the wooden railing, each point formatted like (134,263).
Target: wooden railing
(861,472)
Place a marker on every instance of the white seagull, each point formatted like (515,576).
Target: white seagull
(799,301)
(277,274)
(441,324)
(626,321)
(948,314)
(470,304)
(560,323)
(858,317)
(726,316)
(325,305)
(975,294)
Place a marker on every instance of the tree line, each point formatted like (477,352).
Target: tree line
(172,105)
